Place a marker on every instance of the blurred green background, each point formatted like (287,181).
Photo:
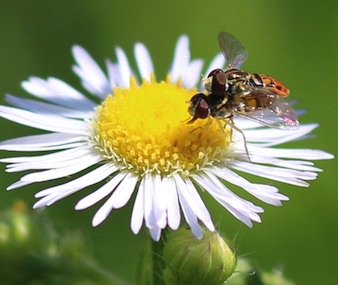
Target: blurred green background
(295,41)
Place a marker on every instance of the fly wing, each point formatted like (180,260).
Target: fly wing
(233,50)
(269,109)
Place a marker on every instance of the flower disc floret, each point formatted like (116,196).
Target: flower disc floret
(145,129)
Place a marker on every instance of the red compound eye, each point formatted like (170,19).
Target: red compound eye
(199,107)
(216,82)
(214,72)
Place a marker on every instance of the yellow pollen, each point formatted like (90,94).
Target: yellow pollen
(144,128)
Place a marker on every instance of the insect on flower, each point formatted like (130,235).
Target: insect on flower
(115,137)
(234,92)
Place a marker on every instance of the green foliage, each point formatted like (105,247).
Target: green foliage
(296,41)
(32,253)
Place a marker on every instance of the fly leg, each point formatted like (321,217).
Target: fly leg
(231,123)
(205,127)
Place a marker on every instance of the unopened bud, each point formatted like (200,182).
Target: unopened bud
(209,260)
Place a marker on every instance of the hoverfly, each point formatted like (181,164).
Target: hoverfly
(255,96)
(219,82)
(234,92)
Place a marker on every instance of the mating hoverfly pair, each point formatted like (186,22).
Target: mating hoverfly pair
(233,92)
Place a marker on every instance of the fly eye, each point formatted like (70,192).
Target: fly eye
(196,98)
(199,107)
(202,110)
(214,72)
(215,82)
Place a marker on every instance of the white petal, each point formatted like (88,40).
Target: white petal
(217,62)
(181,59)
(193,75)
(173,211)
(29,148)
(279,174)
(48,123)
(161,201)
(230,176)
(118,199)
(51,157)
(290,164)
(113,74)
(143,60)
(100,193)
(124,67)
(58,92)
(190,216)
(51,174)
(124,190)
(196,204)
(290,153)
(275,173)
(265,193)
(239,208)
(64,166)
(149,184)
(47,109)
(54,165)
(271,137)
(17,184)
(92,76)
(73,186)
(37,141)
(155,233)
(212,182)
(138,210)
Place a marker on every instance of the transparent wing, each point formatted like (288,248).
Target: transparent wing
(275,113)
(233,50)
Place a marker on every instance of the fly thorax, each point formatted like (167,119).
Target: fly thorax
(236,79)
(256,80)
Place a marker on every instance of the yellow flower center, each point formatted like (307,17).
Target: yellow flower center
(144,129)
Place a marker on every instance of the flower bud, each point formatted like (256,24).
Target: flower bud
(197,262)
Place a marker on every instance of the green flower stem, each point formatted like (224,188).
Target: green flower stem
(157,261)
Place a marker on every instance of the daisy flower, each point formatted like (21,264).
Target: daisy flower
(127,134)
